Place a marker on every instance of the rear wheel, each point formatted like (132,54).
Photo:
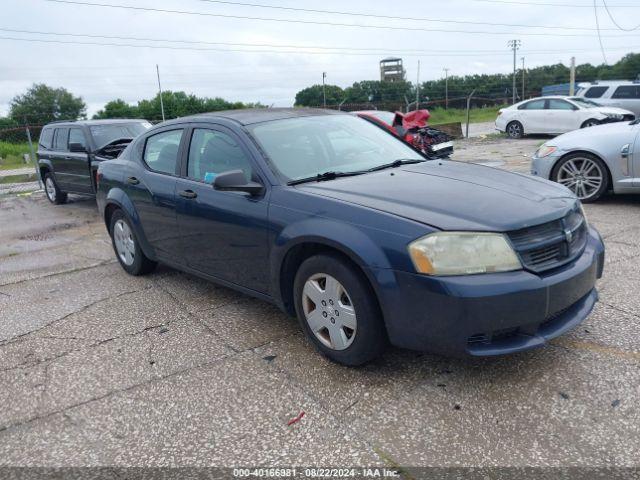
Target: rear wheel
(584,174)
(53,192)
(338,310)
(515,129)
(127,247)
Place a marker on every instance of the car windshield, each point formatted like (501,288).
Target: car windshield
(386,117)
(107,133)
(584,103)
(307,146)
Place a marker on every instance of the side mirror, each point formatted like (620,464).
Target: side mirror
(235,181)
(77,148)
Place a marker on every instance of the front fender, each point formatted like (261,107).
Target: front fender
(117,196)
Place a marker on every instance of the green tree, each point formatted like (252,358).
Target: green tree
(313,97)
(43,104)
(117,109)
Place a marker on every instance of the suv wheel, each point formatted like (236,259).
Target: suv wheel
(127,248)
(584,174)
(54,194)
(515,130)
(338,310)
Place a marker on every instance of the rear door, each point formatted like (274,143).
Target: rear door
(151,185)
(628,97)
(532,115)
(224,234)
(57,156)
(562,116)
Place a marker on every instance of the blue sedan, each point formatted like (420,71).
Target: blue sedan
(354,232)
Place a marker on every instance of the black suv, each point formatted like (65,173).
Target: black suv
(69,153)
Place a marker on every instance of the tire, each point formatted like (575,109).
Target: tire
(52,191)
(515,130)
(592,122)
(584,174)
(361,336)
(126,246)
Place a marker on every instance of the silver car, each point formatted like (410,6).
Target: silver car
(594,160)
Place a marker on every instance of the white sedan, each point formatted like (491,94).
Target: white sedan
(552,115)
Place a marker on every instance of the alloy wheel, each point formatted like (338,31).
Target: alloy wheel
(514,130)
(50,188)
(583,176)
(329,311)
(125,244)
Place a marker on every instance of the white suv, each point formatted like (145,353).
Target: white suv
(618,93)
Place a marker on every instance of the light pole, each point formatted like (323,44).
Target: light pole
(160,88)
(522,77)
(418,87)
(324,94)
(515,45)
(446,88)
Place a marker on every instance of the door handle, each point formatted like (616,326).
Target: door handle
(67,158)
(188,194)
(133,181)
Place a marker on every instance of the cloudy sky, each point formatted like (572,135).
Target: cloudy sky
(217,48)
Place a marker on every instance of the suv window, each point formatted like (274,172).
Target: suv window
(60,142)
(595,92)
(627,91)
(556,104)
(161,151)
(533,105)
(76,135)
(212,152)
(46,138)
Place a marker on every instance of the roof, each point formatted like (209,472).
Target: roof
(250,116)
(111,121)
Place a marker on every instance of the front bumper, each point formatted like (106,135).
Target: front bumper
(489,314)
(542,166)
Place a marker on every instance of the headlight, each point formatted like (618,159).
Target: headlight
(545,151)
(615,116)
(463,253)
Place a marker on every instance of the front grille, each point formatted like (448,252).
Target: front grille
(552,244)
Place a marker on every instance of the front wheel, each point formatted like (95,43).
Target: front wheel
(584,174)
(53,192)
(127,248)
(515,130)
(338,310)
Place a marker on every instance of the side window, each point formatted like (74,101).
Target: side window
(595,92)
(46,138)
(161,151)
(60,141)
(212,152)
(555,104)
(627,91)
(76,135)
(533,105)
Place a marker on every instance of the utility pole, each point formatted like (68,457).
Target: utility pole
(446,88)
(572,77)
(160,88)
(514,45)
(324,94)
(418,87)
(523,78)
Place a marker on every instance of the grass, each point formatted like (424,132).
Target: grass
(452,115)
(11,155)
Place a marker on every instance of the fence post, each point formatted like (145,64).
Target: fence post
(33,154)
(468,110)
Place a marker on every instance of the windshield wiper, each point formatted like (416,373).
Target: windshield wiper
(396,163)
(320,177)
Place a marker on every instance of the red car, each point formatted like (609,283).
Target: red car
(412,128)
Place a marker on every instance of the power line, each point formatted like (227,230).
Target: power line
(310,22)
(595,12)
(389,17)
(616,23)
(546,4)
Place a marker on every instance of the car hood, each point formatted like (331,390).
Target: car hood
(453,196)
(593,136)
(612,111)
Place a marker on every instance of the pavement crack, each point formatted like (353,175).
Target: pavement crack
(63,272)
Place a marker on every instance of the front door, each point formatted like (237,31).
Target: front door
(151,185)
(561,116)
(635,156)
(224,234)
(76,164)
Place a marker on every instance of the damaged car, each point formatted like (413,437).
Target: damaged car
(69,153)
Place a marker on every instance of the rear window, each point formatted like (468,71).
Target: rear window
(62,135)
(595,92)
(533,105)
(627,91)
(46,138)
